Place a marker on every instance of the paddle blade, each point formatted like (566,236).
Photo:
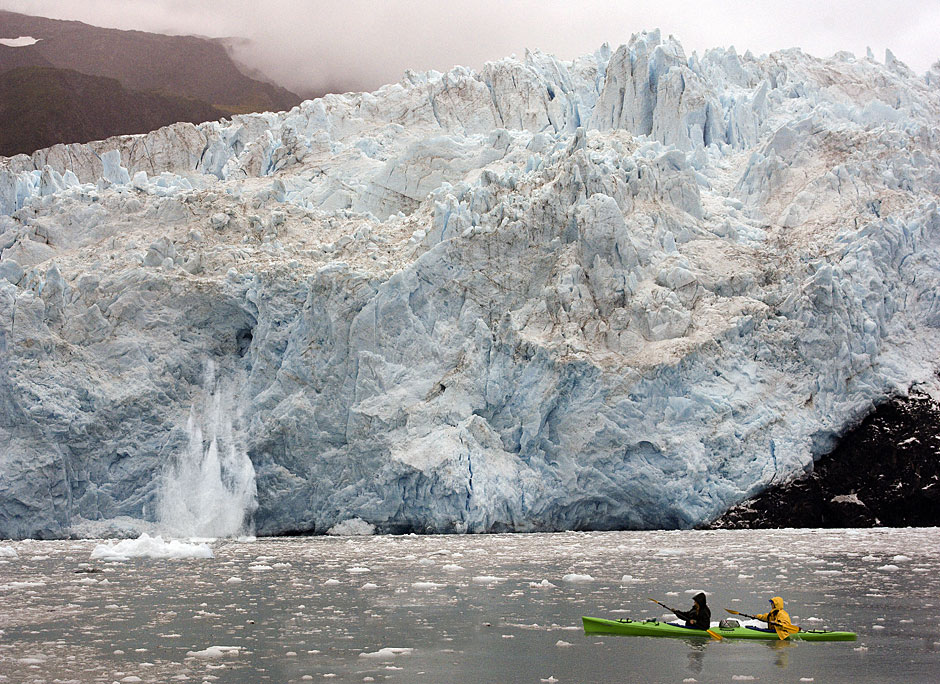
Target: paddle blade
(733,612)
(714,635)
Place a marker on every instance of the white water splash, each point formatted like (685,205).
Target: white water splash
(209,490)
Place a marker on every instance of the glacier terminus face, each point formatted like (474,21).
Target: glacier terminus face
(626,291)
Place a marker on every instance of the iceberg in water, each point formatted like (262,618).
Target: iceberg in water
(146,546)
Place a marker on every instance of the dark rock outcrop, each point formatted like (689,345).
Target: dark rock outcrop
(884,472)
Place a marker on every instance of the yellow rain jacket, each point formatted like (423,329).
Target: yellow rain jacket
(778,615)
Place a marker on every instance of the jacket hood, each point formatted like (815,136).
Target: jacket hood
(777,603)
(699,598)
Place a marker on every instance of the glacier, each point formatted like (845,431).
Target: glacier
(624,291)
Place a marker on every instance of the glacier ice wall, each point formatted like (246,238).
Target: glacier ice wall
(628,290)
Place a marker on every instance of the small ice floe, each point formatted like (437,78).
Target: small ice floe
(628,579)
(331,582)
(670,552)
(544,584)
(369,585)
(563,644)
(260,568)
(21,585)
(234,580)
(387,652)
(890,567)
(354,527)
(214,652)
(551,679)
(488,579)
(426,585)
(357,570)
(827,572)
(452,567)
(807,679)
(877,626)
(8,552)
(742,678)
(900,558)
(146,546)
(575,578)
(860,649)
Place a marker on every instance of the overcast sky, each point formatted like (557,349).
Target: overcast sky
(319,45)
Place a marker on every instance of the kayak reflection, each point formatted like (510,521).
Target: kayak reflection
(782,650)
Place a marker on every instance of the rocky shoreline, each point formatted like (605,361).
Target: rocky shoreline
(884,472)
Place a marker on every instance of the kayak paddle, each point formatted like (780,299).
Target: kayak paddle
(712,634)
(782,630)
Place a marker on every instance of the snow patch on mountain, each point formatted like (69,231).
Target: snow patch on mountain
(627,290)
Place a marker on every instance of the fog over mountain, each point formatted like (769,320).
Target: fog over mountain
(316,47)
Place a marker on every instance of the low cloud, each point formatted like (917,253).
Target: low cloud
(318,46)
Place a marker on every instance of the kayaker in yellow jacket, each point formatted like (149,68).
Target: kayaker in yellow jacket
(777,615)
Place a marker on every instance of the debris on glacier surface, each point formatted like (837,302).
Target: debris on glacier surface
(623,291)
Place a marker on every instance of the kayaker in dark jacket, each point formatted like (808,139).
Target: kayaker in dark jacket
(699,617)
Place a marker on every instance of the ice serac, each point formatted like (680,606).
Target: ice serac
(628,290)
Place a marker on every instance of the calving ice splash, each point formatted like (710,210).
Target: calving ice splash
(623,291)
(209,489)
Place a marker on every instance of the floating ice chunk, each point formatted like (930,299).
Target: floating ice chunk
(369,585)
(563,644)
(427,585)
(331,582)
(543,584)
(742,678)
(354,527)
(260,568)
(488,579)
(387,652)
(628,579)
(146,546)
(452,567)
(234,580)
(890,567)
(357,570)
(901,558)
(8,552)
(575,577)
(214,652)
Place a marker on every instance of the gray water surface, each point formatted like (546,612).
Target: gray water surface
(471,609)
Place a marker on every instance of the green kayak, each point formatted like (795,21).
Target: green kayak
(653,628)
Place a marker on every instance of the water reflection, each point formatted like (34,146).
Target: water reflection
(696,655)
(781,650)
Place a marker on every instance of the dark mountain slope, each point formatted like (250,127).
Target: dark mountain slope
(184,66)
(41,106)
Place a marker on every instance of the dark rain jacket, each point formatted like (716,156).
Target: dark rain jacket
(700,617)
